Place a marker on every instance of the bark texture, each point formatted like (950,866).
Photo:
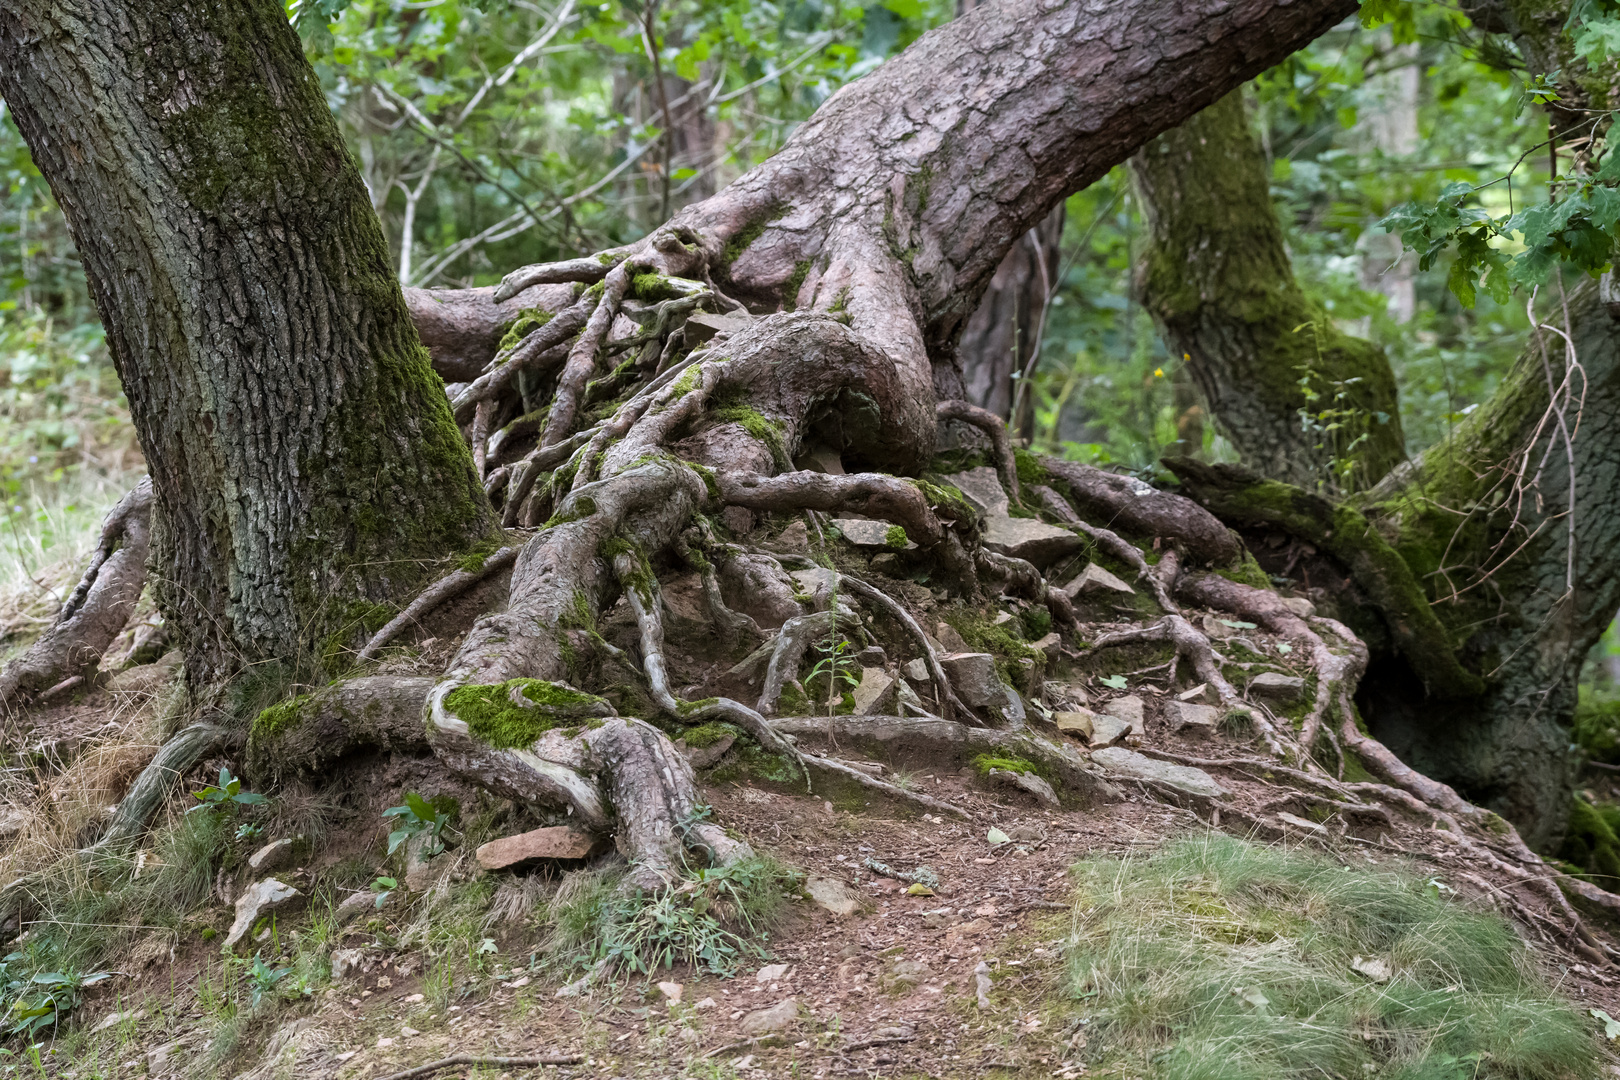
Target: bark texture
(1221,287)
(301,452)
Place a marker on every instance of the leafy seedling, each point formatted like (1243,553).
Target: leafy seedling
(417,816)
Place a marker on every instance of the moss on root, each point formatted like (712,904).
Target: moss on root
(527,321)
(493,717)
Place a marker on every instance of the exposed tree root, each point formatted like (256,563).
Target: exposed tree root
(308,734)
(866,780)
(447,587)
(97,609)
(174,759)
(872,494)
(995,429)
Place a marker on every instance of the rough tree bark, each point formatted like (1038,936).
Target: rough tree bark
(302,456)
(1221,287)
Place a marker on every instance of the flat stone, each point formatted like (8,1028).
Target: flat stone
(1273,684)
(1299,606)
(357,904)
(821,458)
(982,489)
(917,670)
(1191,718)
(908,701)
(793,540)
(1081,722)
(904,972)
(1107,729)
(273,856)
(875,692)
(255,900)
(1133,766)
(1095,580)
(770,973)
(13,821)
(1216,629)
(1050,645)
(948,637)
(1029,539)
(672,991)
(702,326)
(872,656)
(112,1020)
(157,1059)
(346,962)
(1201,694)
(863,532)
(554,842)
(1129,709)
(1027,782)
(973,677)
(779,1017)
(832,895)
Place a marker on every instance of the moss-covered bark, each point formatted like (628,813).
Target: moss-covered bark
(304,459)
(1220,285)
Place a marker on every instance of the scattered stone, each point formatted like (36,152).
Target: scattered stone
(255,901)
(821,458)
(982,489)
(937,920)
(1131,765)
(1029,539)
(1081,722)
(908,701)
(779,1017)
(1276,685)
(702,326)
(833,895)
(872,656)
(1200,694)
(1051,645)
(272,857)
(973,676)
(738,520)
(1128,709)
(706,1003)
(875,692)
(1185,716)
(1058,693)
(1299,606)
(1372,967)
(672,991)
(793,540)
(1026,781)
(917,670)
(770,973)
(1094,579)
(950,639)
(816,583)
(981,980)
(112,1020)
(554,842)
(408,1032)
(904,972)
(358,904)
(157,1059)
(865,533)
(1216,630)
(346,962)
(13,821)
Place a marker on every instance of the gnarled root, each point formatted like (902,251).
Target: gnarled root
(97,609)
(446,588)
(307,734)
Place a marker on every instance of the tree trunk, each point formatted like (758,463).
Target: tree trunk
(303,458)
(1221,286)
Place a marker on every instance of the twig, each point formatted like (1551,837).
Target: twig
(471,1059)
(867,1044)
(741,1044)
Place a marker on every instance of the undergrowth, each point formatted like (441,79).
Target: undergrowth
(1218,959)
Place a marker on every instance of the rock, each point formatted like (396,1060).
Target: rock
(157,1058)
(907,701)
(973,677)
(701,757)
(1081,722)
(346,962)
(422,870)
(1107,729)
(875,692)
(1133,766)
(821,458)
(1299,606)
(1372,967)
(702,326)
(672,991)
(816,583)
(872,656)
(865,533)
(1276,685)
(359,903)
(832,895)
(982,489)
(904,972)
(1301,823)
(112,1020)
(1002,618)
(917,670)
(13,821)
(256,900)
(1029,539)
(1051,645)
(1216,629)
(981,984)
(706,1003)
(1060,693)
(793,540)
(779,1017)
(738,520)
(950,639)
(1094,580)
(1026,781)
(770,973)
(1194,719)
(1201,694)
(554,842)
(1128,709)
(273,856)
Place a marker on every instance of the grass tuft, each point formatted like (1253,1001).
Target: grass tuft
(1218,959)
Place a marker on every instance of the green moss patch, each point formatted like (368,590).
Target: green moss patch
(983,763)
(528,321)
(495,718)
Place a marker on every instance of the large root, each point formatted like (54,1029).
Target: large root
(96,611)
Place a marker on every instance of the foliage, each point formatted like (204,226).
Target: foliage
(227,794)
(37,1000)
(416,818)
(836,668)
(263,979)
(1220,958)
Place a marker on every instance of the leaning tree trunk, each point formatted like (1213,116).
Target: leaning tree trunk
(1221,287)
(303,459)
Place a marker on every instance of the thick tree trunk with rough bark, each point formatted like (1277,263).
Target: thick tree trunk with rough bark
(302,456)
(1221,287)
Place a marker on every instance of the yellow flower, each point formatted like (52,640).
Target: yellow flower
(1158,373)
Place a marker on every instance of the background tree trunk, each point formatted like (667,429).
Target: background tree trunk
(303,457)
(1220,285)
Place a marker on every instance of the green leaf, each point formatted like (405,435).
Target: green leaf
(997,837)
(419,806)
(1611,1026)
(1237,624)
(1113,682)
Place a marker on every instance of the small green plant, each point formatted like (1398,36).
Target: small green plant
(227,794)
(836,665)
(263,979)
(40,1000)
(384,887)
(416,817)
(249,831)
